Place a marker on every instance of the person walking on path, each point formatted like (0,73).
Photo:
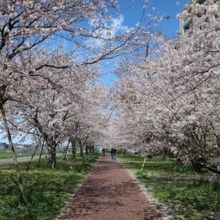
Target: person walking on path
(103,152)
(113,153)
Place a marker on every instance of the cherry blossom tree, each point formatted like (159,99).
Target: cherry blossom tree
(25,26)
(59,104)
(171,97)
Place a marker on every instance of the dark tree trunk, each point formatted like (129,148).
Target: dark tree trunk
(87,149)
(66,150)
(213,169)
(218,144)
(81,148)
(218,141)
(41,152)
(32,156)
(92,149)
(51,154)
(73,143)
(19,180)
(52,157)
(198,164)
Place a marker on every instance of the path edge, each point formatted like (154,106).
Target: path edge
(165,211)
(67,203)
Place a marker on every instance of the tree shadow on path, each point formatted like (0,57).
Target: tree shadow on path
(109,193)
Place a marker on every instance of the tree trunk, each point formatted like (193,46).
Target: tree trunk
(90,149)
(41,152)
(35,150)
(93,149)
(143,164)
(218,141)
(17,168)
(73,143)
(81,148)
(218,144)
(52,158)
(66,150)
(198,164)
(51,154)
(213,169)
(87,149)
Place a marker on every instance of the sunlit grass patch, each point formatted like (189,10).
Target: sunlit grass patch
(191,195)
(47,189)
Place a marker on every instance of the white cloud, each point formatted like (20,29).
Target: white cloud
(111,29)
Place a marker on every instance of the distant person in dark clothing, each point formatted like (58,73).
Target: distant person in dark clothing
(103,152)
(113,153)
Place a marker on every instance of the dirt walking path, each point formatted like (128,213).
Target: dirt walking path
(109,193)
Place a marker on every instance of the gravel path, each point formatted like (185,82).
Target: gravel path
(109,193)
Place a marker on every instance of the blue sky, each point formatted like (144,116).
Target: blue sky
(131,10)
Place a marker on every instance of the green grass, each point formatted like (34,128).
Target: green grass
(188,193)
(24,152)
(7,153)
(47,189)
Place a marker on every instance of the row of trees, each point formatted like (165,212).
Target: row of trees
(168,99)
(49,94)
(45,92)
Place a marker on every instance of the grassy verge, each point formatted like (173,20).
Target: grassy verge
(24,152)
(47,189)
(6,153)
(192,196)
